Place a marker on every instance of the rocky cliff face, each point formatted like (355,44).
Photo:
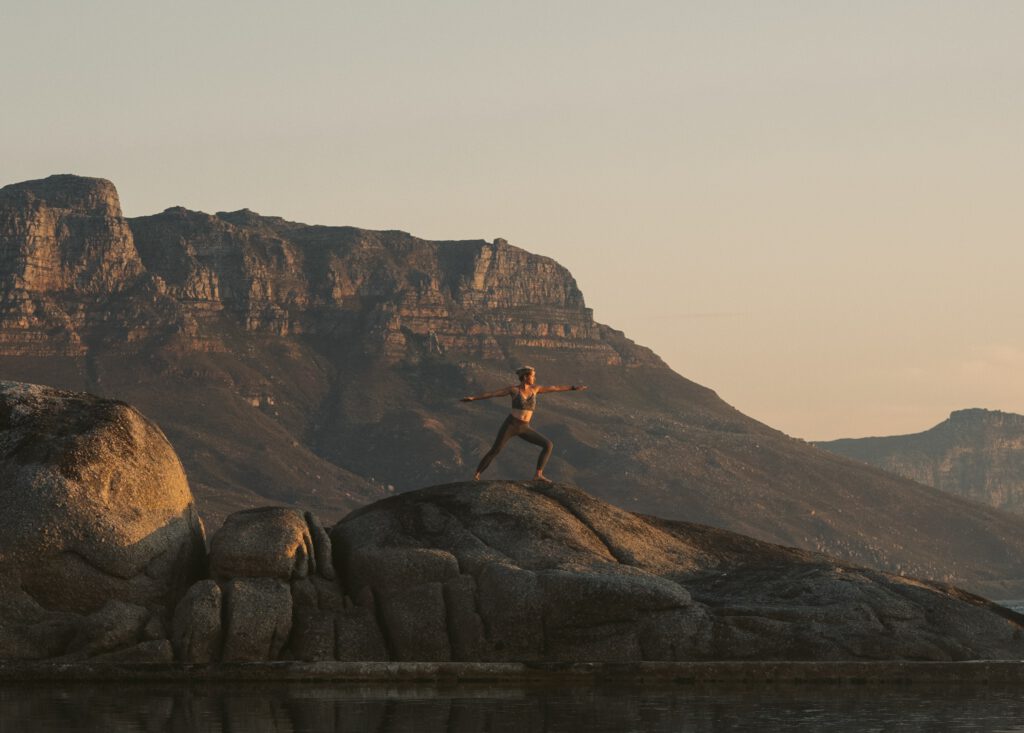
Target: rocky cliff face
(67,253)
(64,248)
(321,367)
(977,454)
(399,297)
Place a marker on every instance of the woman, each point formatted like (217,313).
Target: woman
(524,402)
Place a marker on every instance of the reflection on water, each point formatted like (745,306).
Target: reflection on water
(319,708)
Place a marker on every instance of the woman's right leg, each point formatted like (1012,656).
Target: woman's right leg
(505,434)
(532,436)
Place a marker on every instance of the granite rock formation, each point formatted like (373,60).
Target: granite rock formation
(320,367)
(977,454)
(273,594)
(501,571)
(99,535)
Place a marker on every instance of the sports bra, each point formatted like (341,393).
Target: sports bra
(518,403)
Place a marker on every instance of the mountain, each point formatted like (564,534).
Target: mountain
(977,454)
(322,366)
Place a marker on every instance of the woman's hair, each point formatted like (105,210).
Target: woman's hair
(523,371)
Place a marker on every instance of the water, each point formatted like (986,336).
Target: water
(1017,606)
(69,708)
(322,708)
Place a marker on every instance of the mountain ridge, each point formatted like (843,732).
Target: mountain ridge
(975,453)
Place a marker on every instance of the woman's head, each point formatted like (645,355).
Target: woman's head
(526,374)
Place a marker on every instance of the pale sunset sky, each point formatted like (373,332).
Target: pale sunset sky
(813,208)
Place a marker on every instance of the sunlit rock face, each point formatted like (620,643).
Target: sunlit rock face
(977,454)
(321,367)
(64,248)
(97,511)
(402,297)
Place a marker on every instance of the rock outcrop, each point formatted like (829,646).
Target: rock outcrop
(321,367)
(977,454)
(273,583)
(99,535)
(528,571)
(503,571)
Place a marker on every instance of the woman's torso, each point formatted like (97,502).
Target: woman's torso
(523,407)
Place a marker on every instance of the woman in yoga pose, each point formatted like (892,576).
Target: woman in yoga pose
(524,402)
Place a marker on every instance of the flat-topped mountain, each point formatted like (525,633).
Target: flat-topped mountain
(977,454)
(322,367)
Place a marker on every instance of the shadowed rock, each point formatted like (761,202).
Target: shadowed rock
(115,626)
(258,619)
(496,571)
(96,511)
(196,631)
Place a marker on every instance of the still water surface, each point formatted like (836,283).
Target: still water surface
(319,708)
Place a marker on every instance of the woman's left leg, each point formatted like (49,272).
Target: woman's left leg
(505,433)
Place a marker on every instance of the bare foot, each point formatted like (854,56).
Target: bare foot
(542,477)
(476,476)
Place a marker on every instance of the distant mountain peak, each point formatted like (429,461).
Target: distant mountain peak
(982,416)
(83,195)
(977,453)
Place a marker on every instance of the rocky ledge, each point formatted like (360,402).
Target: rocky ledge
(102,559)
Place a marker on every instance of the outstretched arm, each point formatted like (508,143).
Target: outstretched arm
(488,395)
(562,388)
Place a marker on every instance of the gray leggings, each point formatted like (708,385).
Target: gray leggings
(510,429)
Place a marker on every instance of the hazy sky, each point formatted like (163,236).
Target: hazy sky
(814,208)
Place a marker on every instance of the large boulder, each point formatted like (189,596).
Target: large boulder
(266,542)
(96,509)
(494,571)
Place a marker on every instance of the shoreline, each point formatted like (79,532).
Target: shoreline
(634,674)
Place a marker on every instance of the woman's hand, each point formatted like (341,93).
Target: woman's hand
(579,387)
(468,399)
